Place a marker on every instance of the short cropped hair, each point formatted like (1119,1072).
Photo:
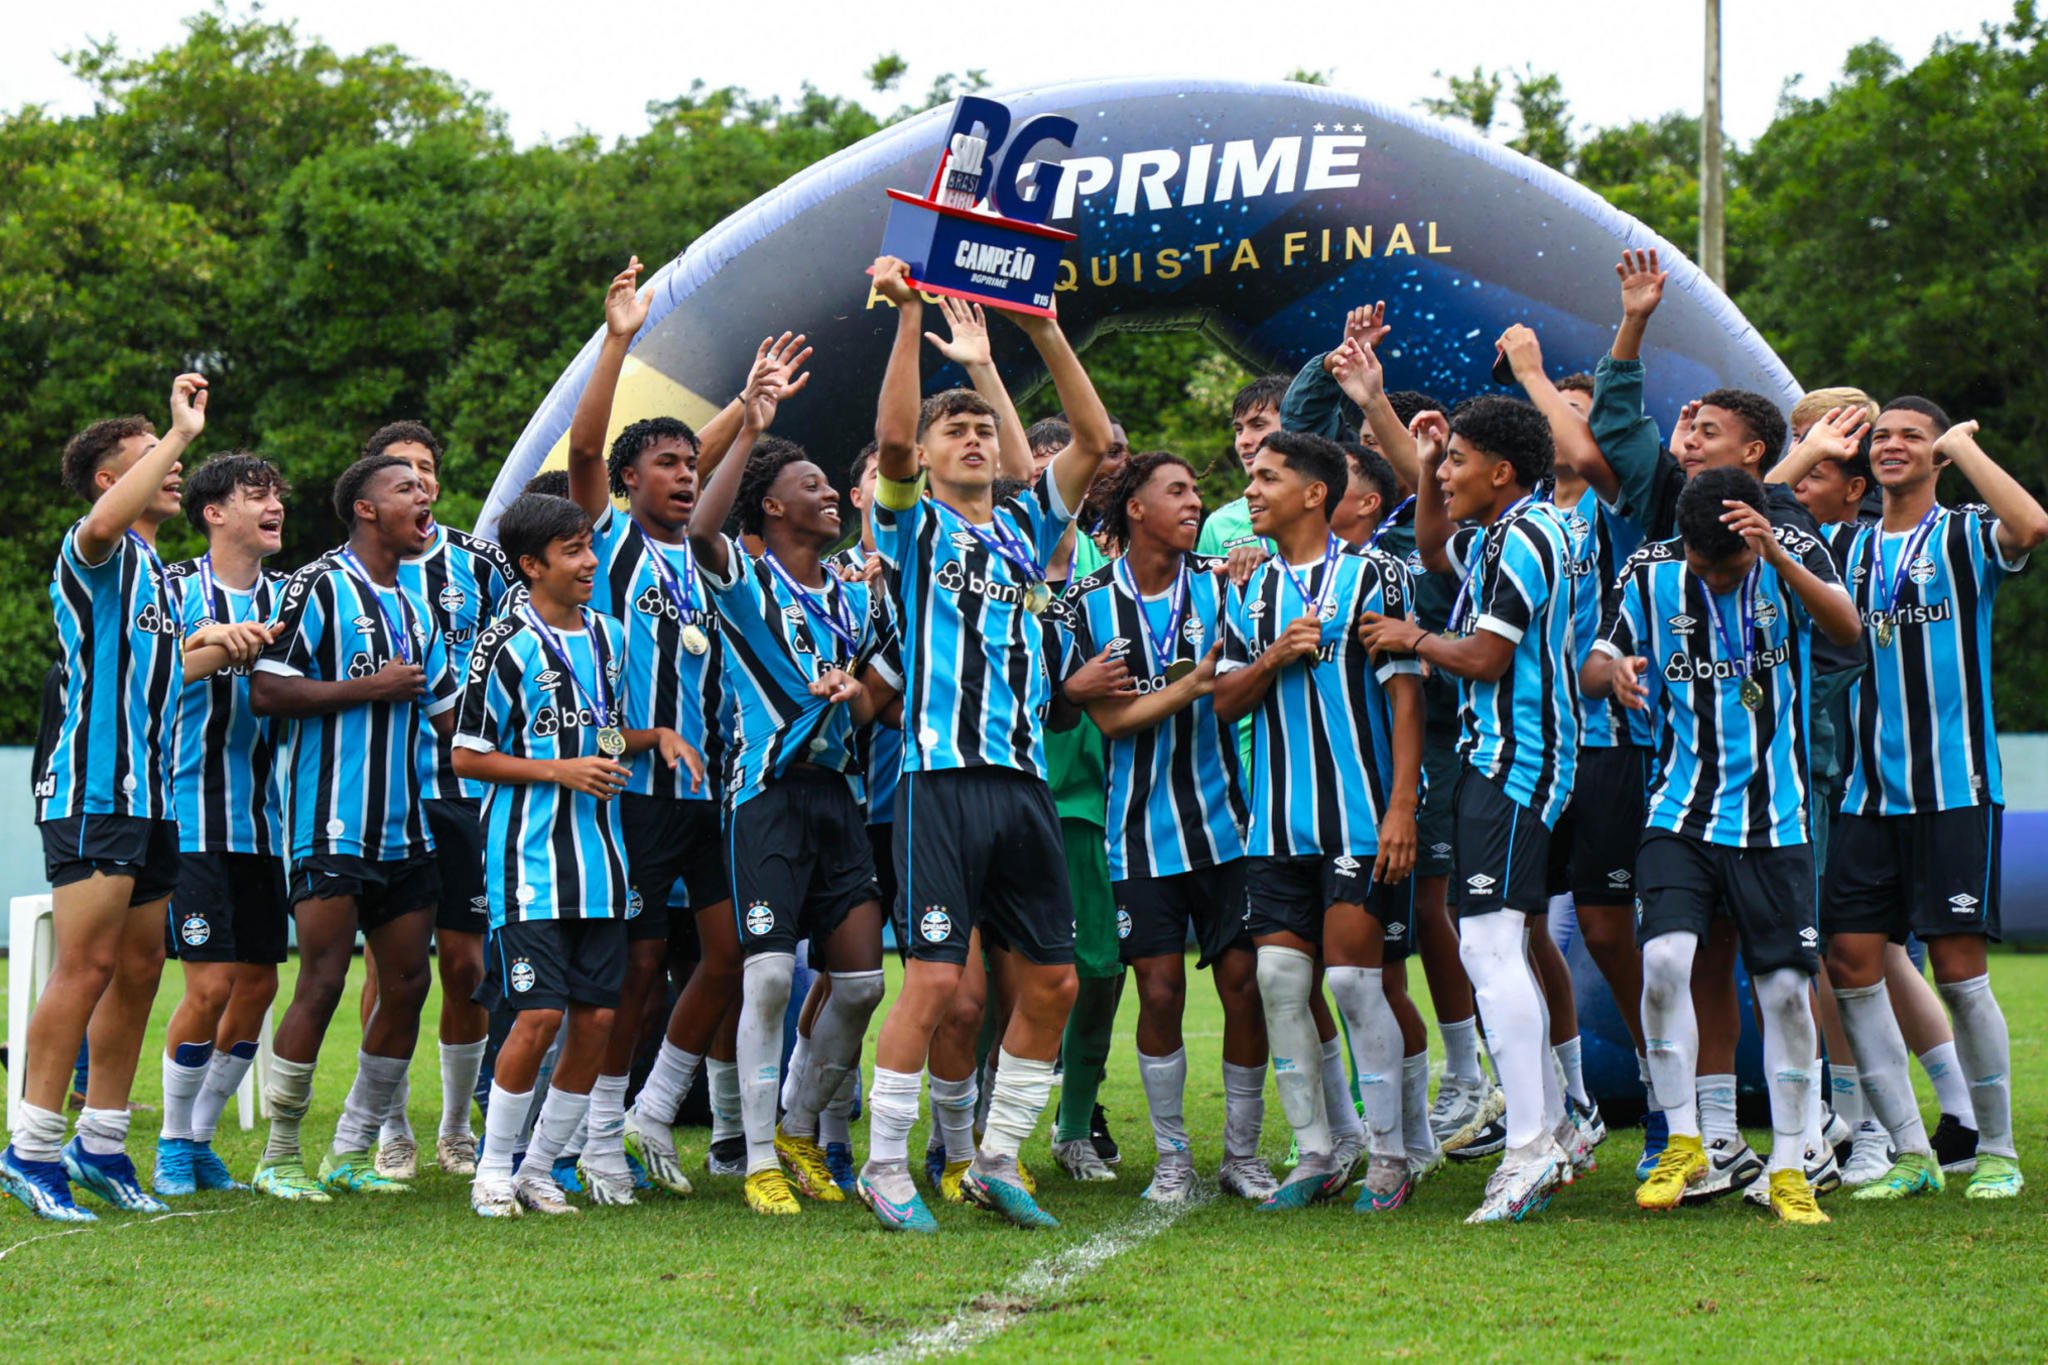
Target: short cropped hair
(951,403)
(1700,509)
(349,487)
(89,449)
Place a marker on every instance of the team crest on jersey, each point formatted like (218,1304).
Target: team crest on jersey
(1922,571)
(1191,631)
(360,665)
(1123,922)
(452,598)
(633,904)
(1415,564)
(522,975)
(935,924)
(1682,624)
(1767,613)
(760,919)
(195,931)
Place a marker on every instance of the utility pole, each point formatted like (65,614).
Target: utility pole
(1713,257)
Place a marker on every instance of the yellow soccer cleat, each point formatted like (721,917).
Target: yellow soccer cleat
(949,1183)
(1026,1179)
(806,1161)
(769,1192)
(1680,1165)
(1792,1198)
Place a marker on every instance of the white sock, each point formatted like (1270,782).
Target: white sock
(1023,1084)
(184,1074)
(460,1065)
(369,1100)
(1845,1090)
(723,1086)
(1461,1050)
(559,1117)
(1345,1124)
(1881,1059)
(397,1121)
(1951,1087)
(38,1133)
(1671,1031)
(1166,1082)
(835,1045)
(1568,1055)
(1493,949)
(764,1002)
(604,1126)
(1415,1132)
(1286,977)
(793,1075)
(1244,1109)
(504,1121)
(892,1109)
(1717,1108)
(103,1132)
(223,1078)
(1551,1071)
(1986,1052)
(1361,996)
(666,1084)
(835,1121)
(287,1094)
(1643,1075)
(1816,1108)
(1782,999)
(953,1105)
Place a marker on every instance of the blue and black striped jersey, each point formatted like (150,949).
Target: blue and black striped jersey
(1175,804)
(1322,738)
(462,579)
(351,778)
(1924,737)
(878,746)
(117,630)
(1521,729)
(225,778)
(1727,772)
(550,852)
(1602,541)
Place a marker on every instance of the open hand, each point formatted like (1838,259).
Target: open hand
(625,307)
(593,775)
(1642,283)
(968,346)
(1629,688)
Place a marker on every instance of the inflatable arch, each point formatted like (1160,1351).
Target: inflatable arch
(1258,213)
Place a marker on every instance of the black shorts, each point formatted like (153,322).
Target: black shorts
(384,890)
(1292,895)
(229,907)
(1153,913)
(1435,829)
(1769,893)
(76,846)
(1593,846)
(882,848)
(981,848)
(667,839)
(1930,874)
(550,964)
(1503,852)
(800,860)
(457,825)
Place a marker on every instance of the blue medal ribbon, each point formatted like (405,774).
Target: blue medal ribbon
(1161,650)
(206,586)
(1455,623)
(683,591)
(1387,522)
(1746,619)
(1005,544)
(401,640)
(1914,545)
(832,614)
(601,700)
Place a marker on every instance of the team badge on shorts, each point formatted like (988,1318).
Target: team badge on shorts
(195,931)
(760,919)
(633,905)
(1123,923)
(935,924)
(522,975)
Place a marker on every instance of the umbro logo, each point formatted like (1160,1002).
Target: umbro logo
(1440,850)
(1256,610)
(1962,903)
(1346,865)
(794,612)
(1480,882)
(1619,877)
(1682,624)
(1119,646)
(1809,937)
(1397,931)
(963,540)
(549,678)
(365,624)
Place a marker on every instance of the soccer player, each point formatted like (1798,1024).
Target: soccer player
(104,805)
(463,580)
(1710,633)
(1254,415)
(1176,814)
(350,674)
(802,661)
(230,909)
(1917,845)
(1509,641)
(969,580)
(649,581)
(542,725)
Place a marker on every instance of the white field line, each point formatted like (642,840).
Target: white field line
(1044,1279)
(109,1227)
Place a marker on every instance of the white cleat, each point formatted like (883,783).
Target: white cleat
(456,1155)
(494,1198)
(1518,1188)
(541,1194)
(1173,1181)
(1870,1155)
(399,1159)
(1080,1160)
(1247,1177)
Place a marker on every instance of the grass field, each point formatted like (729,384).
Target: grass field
(420,1278)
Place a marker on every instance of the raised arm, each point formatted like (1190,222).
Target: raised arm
(116,510)
(1358,372)
(2022,524)
(1836,436)
(1073,469)
(1432,514)
(1642,289)
(896,410)
(770,379)
(720,432)
(967,346)
(625,311)
(1577,451)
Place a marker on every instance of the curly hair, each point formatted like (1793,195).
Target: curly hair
(89,449)
(1700,510)
(633,442)
(1507,429)
(1759,417)
(770,457)
(216,481)
(398,433)
(1125,484)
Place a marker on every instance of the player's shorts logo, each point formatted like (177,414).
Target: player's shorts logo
(1396,931)
(633,905)
(1809,937)
(1962,903)
(760,919)
(935,924)
(1619,878)
(1479,883)
(522,975)
(452,598)
(1440,850)
(195,931)
(1123,922)
(1346,865)
(480,905)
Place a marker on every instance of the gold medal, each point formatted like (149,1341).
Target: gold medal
(1885,632)
(694,638)
(611,741)
(1037,598)
(1751,693)
(1179,669)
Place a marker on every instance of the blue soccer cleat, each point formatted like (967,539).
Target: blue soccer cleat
(1005,1197)
(908,1214)
(43,1187)
(111,1178)
(564,1172)
(209,1172)
(172,1178)
(839,1161)
(1656,1136)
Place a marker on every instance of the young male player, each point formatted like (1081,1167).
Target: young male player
(803,664)
(542,725)
(1176,814)
(1710,634)
(230,910)
(976,829)
(352,672)
(1335,773)
(1254,415)
(462,579)
(104,806)
(1917,845)
(1509,642)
